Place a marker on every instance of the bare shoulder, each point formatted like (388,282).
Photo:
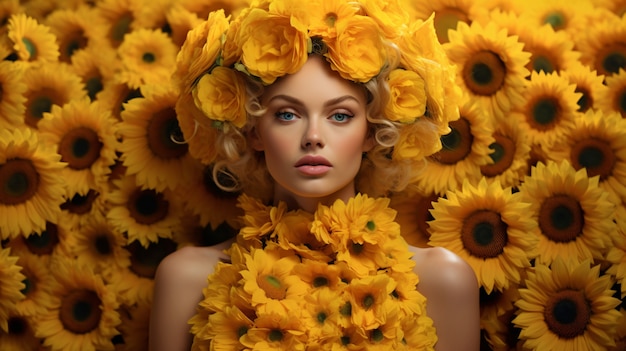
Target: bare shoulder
(439,269)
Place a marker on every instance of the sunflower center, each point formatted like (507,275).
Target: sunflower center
(586,101)
(484,234)
(544,113)
(446,19)
(346,309)
(275,335)
(273,287)
(620,102)
(377,335)
(147,206)
(561,218)
(611,58)
(73,42)
(457,144)
(541,62)
(356,248)
(484,73)
(368,301)
(102,244)
(567,313)
(80,311)
(161,128)
(80,204)
(19,181)
(31,48)
(40,102)
(120,28)
(321,317)
(595,155)
(80,148)
(502,156)
(555,19)
(17,326)
(144,260)
(29,285)
(43,243)
(320,281)
(93,86)
(148,57)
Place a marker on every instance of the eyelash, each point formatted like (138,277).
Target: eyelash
(281,115)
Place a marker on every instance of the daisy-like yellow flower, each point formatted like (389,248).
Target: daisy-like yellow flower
(48,85)
(597,143)
(143,214)
(12,101)
(293,233)
(147,56)
(567,307)
(150,135)
(413,214)
(75,30)
(83,313)
(12,286)
(448,13)
(490,65)
(37,283)
(548,110)
(510,155)
(116,96)
(20,334)
(95,67)
(487,226)
(613,98)
(370,298)
(31,186)
(134,326)
(465,149)
(322,315)
(225,328)
(84,134)
(574,214)
(45,243)
(603,46)
(32,41)
(180,22)
(259,219)
(119,18)
(588,83)
(275,331)
(561,15)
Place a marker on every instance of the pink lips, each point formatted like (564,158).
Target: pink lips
(313,165)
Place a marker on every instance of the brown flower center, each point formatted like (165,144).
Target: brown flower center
(542,60)
(119,28)
(502,156)
(446,19)
(273,287)
(457,144)
(596,155)
(543,113)
(586,100)
(610,58)
(556,19)
(561,218)
(80,204)
(144,260)
(147,206)
(93,85)
(80,311)
(484,234)
(619,101)
(484,73)
(567,313)
(39,102)
(80,148)
(19,181)
(43,243)
(162,127)
(72,42)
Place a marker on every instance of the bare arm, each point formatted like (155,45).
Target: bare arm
(179,281)
(452,298)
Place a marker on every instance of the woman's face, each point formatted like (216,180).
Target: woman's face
(313,135)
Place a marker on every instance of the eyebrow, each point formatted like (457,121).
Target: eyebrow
(295,101)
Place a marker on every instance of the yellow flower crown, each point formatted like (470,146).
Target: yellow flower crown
(359,39)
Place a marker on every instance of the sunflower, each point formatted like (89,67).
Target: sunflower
(37,284)
(39,9)
(617,7)
(490,65)
(134,327)
(83,133)
(20,334)
(225,327)
(273,331)
(116,96)
(598,144)
(561,15)
(78,208)
(32,42)
(613,98)
(75,30)
(151,145)
(413,214)
(12,101)
(180,21)
(510,155)
(203,8)
(567,307)
(549,108)
(616,255)
(12,286)
(143,214)
(486,225)
(96,69)
(448,13)
(31,187)
(48,85)
(83,312)
(588,83)
(7,9)
(147,56)
(465,149)
(119,18)
(603,46)
(574,214)
(44,244)
(500,334)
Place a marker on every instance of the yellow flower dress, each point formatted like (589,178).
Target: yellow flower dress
(339,279)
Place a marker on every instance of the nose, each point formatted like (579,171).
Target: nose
(312,135)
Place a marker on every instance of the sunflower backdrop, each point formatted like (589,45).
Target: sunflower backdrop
(96,189)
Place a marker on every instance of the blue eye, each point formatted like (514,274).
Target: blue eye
(341,117)
(285,116)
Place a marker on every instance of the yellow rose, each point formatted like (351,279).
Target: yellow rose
(417,141)
(272,45)
(221,96)
(357,52)
(407,96)
(390,15)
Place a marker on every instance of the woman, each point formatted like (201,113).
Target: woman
(311,106)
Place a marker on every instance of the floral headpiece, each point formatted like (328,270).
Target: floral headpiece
(271,39)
